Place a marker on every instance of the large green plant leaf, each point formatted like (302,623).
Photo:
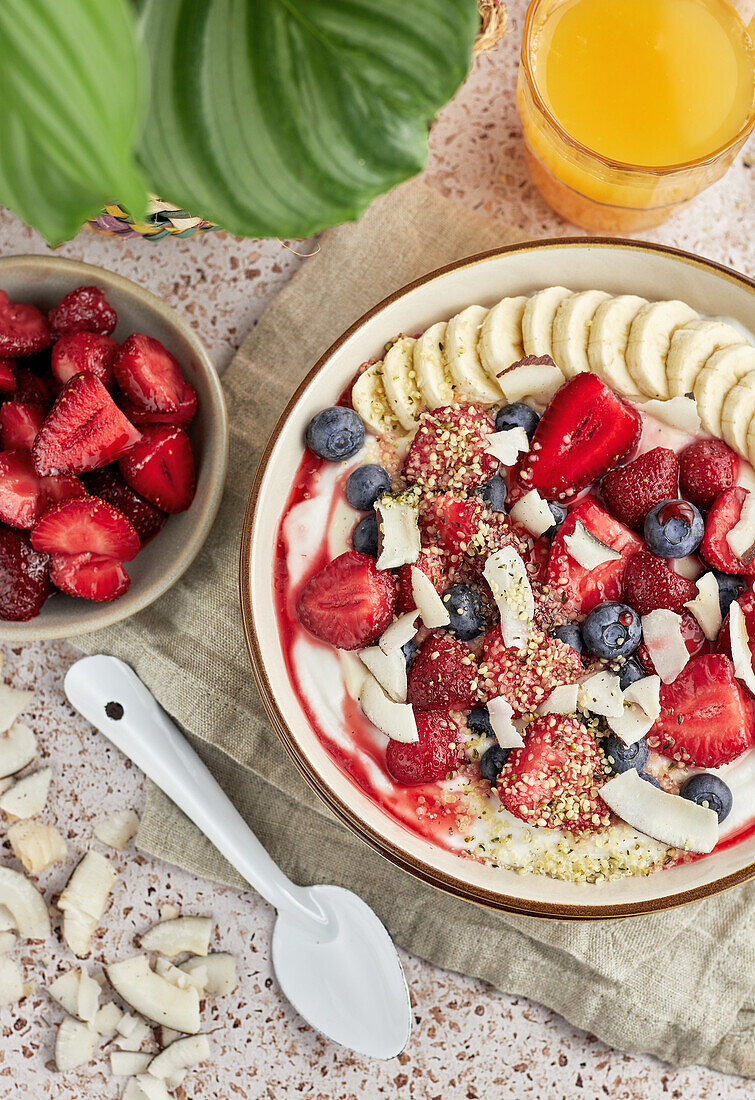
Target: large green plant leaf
(69,111)
(279,117)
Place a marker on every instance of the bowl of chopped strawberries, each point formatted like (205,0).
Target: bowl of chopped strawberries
(113,447)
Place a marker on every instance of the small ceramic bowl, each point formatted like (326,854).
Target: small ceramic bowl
(43,280)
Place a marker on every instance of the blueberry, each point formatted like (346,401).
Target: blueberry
(478,721)
(517,415)
(559,514)
(409,649)
(630,673)
(467,611)
(365,485)
(364,537)
(570,634)
(651,779)
(707,788)
(673,529)
(335,434)
(622,757)
(729,587)
(493,493)
(612,630)
(491,762)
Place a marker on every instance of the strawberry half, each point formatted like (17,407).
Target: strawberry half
(443,675)
(585,589)
(584,432)
(526,678)
(349,603)
(58,489)
(84,429)
(650,583)
(706,719)
(723,516)
(448,450)
(86,525)
(553,781)
(23,328)
(632,490)
(7,375)
(24,577)
(706,469)
(19,423)
(187,408)
(427,563)
(449,523)
(160,468)
(429,759)
(32,387)
(81,351)
(89,576)
(22,494)
(149,375)
(108,484)
(85,309)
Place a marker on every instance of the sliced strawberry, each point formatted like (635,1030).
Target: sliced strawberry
(108,484)
(187,408)
(7,375)
(747,603)
(149,375)
(23,328)
(553,781)
(632,490)
(650,583)
(723,516)
(706,469)
(31,387)
(83,430)
(449,523)
(160,467)
(81,351)
(526,678)
(19,423)
(22,494)
(705,715)
(693,638)
(349,603)
(24,577)
(86,525)
(58,489)
(432,757)
(584,432)
(90,576)
(427,563)
(85,309)
(584,589)
(443,675)
(448,450)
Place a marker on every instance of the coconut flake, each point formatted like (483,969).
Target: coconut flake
(706,607)
(678,412)
(538,381)
(741,654)
(586,549)
(533,513)
(389,669)
(507,445)
(689,566)
(398,530)
(396,720)
(669,818)
(642,706)
(27,796)
(601,694)
(36,844)
(506,733)
(741,538)
(431,607)
(118,829)
(662,634)
(506,575)
(399,632)
(13,702)
(18,747)
(562,700)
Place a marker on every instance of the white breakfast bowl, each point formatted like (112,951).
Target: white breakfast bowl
(619,267)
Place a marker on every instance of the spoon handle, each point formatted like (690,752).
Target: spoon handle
(111,696)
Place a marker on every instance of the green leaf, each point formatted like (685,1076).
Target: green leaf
(280,117)
(69,111)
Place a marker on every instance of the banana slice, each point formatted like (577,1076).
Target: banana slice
(472,381)
(722,371)
(607,343)
(738,411)
(369,400)
(537,320)
(571,330)
(649,342)
(431,368)
(500,342)
(691,345)
(400,383)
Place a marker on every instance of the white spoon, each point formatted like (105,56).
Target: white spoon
(333,958)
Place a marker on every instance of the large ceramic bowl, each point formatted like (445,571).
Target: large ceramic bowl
(620,267)
(43,280)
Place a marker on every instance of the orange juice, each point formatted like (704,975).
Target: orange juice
(631,105)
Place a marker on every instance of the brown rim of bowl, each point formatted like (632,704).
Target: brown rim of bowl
(421,870)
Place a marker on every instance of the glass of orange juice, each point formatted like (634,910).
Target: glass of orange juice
(632,107)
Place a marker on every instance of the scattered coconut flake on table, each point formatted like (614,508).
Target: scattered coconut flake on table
(396,720)
(401,631)
(432,610)
(27,796)
(507,577)
(398,531)
(506,733)
(662,634)
(183,1054)
(601,694)
(506,446)
(642,706)
(11,982)
(13,702)
(586,549)
(74,1044)
(533,513)
(741,654)
(678,412)
(153,996)
(18,747)
(37,845)
(389,669)
(562,700)
(220,968)
(741,538)
(84,898)
(25,904)
(706,607)
(669,818)
(173,937)
(117,829)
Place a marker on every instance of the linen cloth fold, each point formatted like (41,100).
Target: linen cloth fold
(679,984)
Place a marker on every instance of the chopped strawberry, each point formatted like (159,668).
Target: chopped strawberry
(24,577)
(723,516)
(85,309)
(90,576)
(650,583)
(160,468)
(432,757)
(449,523)
(526,678)
(86,525)
(427,563)
(31,387)
(497,530)
(7,375)
(584,432)
(443,675)
(693,638)
(632,490)
(23,328)
(747,603)
(584,589)
(19,423)
(706,469)
(108,484)
(22,494)
(81,351)
(83,430)
(349,603)
(553,781)
(706,719)
(187,408)
(58,489)
(448,450)
(149,375)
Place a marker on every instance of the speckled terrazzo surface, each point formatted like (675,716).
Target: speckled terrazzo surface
(469,1041)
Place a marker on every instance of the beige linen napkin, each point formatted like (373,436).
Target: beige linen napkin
(679,984)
